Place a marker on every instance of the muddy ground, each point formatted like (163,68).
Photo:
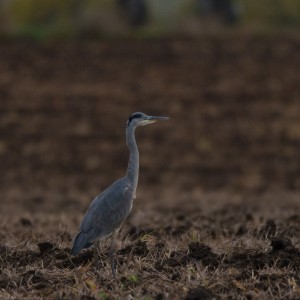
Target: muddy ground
(217,213)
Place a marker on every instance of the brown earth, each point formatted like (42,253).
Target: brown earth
(217,209)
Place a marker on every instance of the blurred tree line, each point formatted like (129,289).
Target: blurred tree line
(97,17)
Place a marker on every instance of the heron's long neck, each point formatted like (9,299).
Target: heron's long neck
(133,164)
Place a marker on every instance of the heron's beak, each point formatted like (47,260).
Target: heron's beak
(153,119)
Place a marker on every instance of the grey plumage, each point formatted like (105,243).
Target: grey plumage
(109,210)
(104,214)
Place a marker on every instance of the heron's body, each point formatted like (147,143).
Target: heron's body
(104,215)
(110,209)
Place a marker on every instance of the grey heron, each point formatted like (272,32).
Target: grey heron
(109,210)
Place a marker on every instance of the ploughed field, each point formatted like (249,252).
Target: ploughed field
(217,213)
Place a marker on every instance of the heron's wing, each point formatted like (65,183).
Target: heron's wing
(108,211)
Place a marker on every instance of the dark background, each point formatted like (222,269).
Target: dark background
(232,101)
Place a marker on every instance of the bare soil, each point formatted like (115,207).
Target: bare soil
(217,214)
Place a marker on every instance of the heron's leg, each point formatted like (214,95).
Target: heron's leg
(112,262)
(96,255)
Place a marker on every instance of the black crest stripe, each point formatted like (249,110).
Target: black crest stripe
(134,116)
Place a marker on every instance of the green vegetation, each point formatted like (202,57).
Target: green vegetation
(272,12)
(54,18)
(133,278)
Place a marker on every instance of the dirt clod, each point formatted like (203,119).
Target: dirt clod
(45,247)
(281,244)
(203,253)
(269,229)
(25,222)
(200,293)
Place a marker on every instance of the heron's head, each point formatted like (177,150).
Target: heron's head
(141,119)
